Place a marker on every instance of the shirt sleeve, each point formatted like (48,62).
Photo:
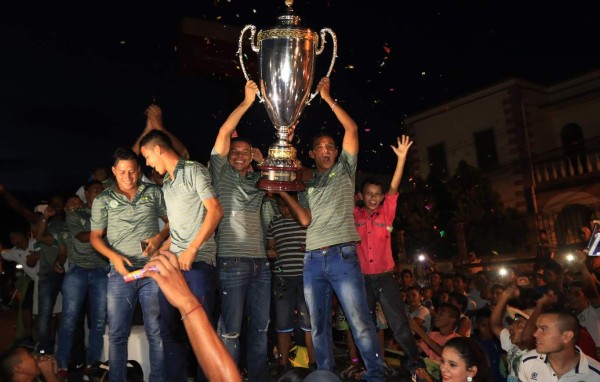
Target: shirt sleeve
(202,182)
(74,224)
(99,218)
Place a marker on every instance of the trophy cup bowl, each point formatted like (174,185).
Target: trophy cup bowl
(287,64)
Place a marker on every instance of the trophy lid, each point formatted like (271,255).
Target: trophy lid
(289,18)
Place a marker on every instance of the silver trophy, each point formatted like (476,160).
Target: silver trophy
(287,64)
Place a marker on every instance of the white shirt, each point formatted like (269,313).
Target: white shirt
(513,355)
(535,367)
(19,256)
(422,313)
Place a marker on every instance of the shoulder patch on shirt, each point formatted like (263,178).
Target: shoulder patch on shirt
(113,204)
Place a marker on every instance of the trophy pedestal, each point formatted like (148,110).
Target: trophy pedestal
(281,171)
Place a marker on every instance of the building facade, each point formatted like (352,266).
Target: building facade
(538,145)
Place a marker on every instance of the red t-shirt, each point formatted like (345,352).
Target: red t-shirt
(586,343)
(375,247)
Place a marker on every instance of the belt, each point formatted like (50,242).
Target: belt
(328,247)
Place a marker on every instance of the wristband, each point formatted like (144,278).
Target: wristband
(183,317)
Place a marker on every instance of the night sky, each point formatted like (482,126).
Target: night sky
(75,81)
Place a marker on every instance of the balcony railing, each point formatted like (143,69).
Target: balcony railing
(563,167)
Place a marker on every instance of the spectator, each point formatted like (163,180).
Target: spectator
(556,357)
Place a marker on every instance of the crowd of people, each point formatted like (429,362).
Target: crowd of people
(221,258)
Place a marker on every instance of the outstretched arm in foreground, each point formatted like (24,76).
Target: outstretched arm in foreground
(210,352)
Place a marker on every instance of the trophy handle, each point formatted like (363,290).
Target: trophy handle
(320,50)
(241,55)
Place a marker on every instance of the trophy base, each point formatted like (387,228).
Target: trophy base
(276,185)
(280,178)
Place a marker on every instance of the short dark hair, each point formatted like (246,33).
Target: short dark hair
(567,321)
(319,136)
(158,137)
(461,300)
(454,312)
(370,180)
(124,153)
(240,139)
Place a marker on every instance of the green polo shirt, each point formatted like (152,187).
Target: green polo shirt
(183,197)
(330,198)
(48,253)
(80,253)
(240,232)
(127,222)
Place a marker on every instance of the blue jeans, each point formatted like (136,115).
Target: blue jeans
(78,283)
(245,290)
(336,270)
(122,298)
(201,279)
(49,285)
(384,287)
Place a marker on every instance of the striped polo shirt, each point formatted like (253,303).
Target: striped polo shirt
(80,253)
(127,222)
(183,197)
(290,240)
(330,198)
(240,232)
(48,253)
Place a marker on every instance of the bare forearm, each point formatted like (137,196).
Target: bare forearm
(496,316)
(16,205)
(40,232)
(210,352)
(209,225)
(223,141)
(100,246)
(395,183)
(301,214)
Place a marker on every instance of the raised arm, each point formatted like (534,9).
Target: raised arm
(350,142)
(301,214)
(41,233)
(154,121)
(16,205)
(210,352)
(224,137)
(401,151)
(417,329)
(498,312)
